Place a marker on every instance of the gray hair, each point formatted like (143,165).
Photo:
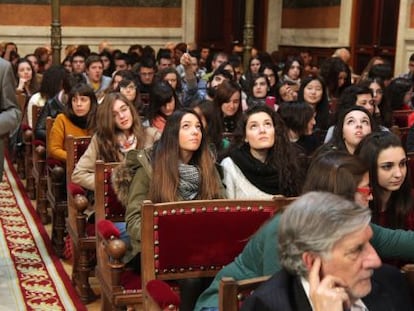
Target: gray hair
(314,223)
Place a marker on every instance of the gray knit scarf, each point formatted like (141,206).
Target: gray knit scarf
(189,181)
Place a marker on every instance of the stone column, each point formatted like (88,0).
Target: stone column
(56,33)
(248,32)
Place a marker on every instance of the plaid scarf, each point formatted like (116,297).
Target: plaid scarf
(189,181)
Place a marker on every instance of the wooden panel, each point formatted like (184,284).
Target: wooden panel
(91,16)
(412,16)
(136,3)
(322,17)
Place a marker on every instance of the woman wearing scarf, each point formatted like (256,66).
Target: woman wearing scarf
(261,162)
(179,167)
(77,120)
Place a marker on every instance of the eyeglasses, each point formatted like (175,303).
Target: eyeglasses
(129,87)
(364,190)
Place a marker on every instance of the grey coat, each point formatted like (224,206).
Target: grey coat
(10,114)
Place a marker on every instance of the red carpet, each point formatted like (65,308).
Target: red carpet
(31,276)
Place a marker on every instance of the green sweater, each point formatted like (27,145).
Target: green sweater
(260,256)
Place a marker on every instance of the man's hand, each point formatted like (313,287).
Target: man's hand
(328,294)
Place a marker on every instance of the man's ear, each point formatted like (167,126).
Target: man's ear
(308,258)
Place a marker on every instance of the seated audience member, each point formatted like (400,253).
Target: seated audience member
(353,125)
(258,91)
(50,86)
(27,84)
(336,172)
(292,71)
(94,75)
(337,77)
(410,74)
(328,262)
(398,94)
(313,91)
(382,72)
(382,113)
(392,204)
(171,76)
(179,167)
(299,118)
(107,62)
(129,89)
(117,77)
(251,71)
(228,103)
(78,119)
(261,162)
(118,130)
(216,78)
(270,71)
(78,62)
(310,69)
(351,96)
(210,117)
(57,104)
(163,103)
(286,92)
(376,60)
(146,71)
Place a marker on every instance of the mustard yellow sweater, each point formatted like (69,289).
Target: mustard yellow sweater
(61,128)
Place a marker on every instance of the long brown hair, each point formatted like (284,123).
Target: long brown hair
(165,159)
(106,130)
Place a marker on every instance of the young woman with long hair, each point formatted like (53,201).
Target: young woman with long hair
(118,130)
(179,167)
(392,205)
(261,161)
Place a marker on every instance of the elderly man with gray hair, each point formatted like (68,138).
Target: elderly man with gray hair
(328,262)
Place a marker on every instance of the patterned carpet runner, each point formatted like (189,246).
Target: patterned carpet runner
(31,275)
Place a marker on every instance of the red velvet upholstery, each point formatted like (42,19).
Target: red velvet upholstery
(38,142)
(108,229)
(75,189)
(130,281)
(202,244)
(410,157)
(192,239)
(162,293)
(25,127)
(52,162)
(113,208)
(400,117)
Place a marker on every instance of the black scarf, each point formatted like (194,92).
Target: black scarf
(261,175)
(81,122)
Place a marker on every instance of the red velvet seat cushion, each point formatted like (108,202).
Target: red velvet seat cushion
(162,293)
(131,280)
(38,142)
(51,162)
(107,229)
(25,127)
(75,189)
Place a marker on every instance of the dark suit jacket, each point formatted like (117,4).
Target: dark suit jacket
(284,292)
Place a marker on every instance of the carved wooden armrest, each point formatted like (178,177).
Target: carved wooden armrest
(39,149)
(27,134)
(114,249)
(80,203)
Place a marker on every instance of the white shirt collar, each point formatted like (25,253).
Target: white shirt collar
(356,306)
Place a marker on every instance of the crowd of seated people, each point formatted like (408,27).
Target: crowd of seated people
(187,129)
